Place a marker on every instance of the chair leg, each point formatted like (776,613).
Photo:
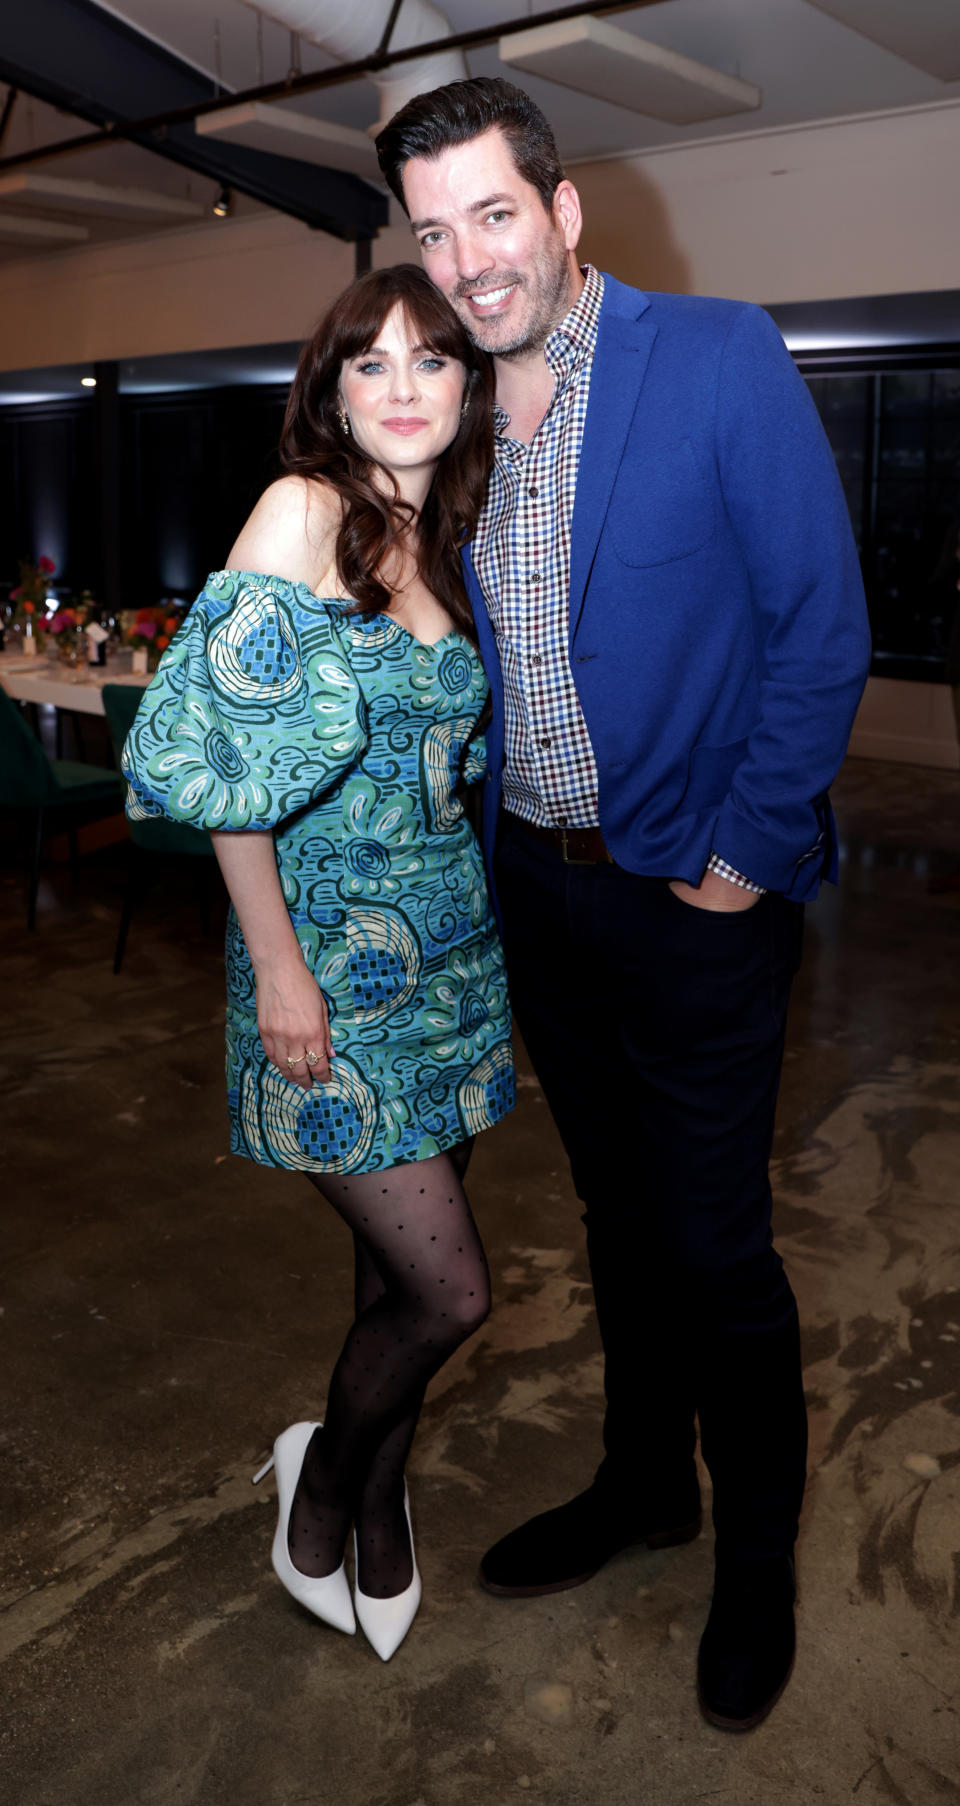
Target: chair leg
(72,843)
(130,896)
(34,871)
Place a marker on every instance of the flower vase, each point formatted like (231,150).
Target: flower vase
(139,665)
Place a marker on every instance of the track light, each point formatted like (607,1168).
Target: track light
(88,382)
(223,205)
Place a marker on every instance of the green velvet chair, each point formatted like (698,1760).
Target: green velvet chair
(169,839)
(33,785)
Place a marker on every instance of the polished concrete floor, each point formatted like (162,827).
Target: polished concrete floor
(167,1308)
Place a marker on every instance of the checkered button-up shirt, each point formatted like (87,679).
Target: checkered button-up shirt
(521,555)
(522,558)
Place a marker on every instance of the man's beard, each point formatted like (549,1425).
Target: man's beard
(549,287)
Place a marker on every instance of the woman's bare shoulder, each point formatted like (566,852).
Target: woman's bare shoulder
(291,531)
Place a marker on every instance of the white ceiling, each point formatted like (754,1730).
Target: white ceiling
(807,65)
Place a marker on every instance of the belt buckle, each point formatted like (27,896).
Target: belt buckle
(568,858)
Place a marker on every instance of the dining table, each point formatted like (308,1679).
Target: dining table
(74,691)
(76,688)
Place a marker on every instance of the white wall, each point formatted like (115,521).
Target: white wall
(866,206)
(914,723)
(257,280)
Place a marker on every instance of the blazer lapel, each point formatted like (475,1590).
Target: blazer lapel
(624,344)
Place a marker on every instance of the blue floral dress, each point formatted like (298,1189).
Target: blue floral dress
(350,739)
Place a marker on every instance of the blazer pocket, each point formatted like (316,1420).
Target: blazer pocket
(711,772)
(661,508)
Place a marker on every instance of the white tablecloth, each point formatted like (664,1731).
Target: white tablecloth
(34,680)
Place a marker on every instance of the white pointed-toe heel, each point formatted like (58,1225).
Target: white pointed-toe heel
(329,1597)
(385,1622)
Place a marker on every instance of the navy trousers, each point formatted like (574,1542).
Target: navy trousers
(656,1031)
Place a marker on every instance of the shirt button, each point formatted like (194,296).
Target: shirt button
(546,741)
(536,658)
(561,821)
(533,490)
(535,576)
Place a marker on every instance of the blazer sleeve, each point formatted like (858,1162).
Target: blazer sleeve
(786,506)
(253,713)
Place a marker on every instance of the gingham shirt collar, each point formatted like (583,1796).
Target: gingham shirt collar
(569,343)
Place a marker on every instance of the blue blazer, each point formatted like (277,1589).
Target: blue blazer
(718,633)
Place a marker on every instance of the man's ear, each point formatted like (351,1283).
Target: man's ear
(568,213)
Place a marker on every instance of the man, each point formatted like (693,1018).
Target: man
(670,613)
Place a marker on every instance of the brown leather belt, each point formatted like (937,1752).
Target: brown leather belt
(577,846)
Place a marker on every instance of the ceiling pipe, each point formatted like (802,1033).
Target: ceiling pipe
(347,29)
(156,125)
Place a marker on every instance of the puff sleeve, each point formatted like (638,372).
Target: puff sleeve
(253,713)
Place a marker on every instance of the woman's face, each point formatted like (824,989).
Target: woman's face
(402,400)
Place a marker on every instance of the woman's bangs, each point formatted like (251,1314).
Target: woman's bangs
(433,324)
(427,321)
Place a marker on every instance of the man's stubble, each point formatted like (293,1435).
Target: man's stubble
(550,287)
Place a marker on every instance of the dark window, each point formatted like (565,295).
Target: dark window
(895,433)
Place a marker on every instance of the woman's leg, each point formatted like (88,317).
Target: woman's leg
(382,1540)
(422,1288)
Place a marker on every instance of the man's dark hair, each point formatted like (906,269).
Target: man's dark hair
(431,123)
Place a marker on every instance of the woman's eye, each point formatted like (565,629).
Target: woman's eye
(433,363)
(370,368)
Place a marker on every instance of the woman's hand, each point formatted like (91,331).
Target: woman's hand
(293,1021)
(291,1011)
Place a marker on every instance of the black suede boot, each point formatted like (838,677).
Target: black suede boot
(562,1548)
(747,1648)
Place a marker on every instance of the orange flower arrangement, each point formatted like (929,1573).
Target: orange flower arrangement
(169,626)
(151,627)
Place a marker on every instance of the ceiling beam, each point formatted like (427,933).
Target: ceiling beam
(7,114)
(20,228)
(76,56)
(379,60)
(64,194)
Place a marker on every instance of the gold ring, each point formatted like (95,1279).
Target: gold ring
(312,1059)
(294,1059)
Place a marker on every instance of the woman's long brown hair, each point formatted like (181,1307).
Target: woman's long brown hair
(313,443)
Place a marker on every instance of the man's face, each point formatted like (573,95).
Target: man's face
(490,245)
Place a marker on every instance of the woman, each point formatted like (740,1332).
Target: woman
(317,713)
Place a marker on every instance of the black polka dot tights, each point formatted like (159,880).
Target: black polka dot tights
(422,1287)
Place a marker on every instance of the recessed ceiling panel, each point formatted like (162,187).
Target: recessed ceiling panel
(31,188)
(20,229)
(925,33)
(287,133)
(597,58)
